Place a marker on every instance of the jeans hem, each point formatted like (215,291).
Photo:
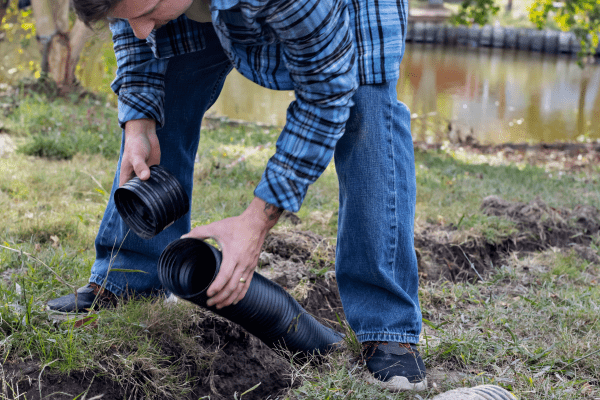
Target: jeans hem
(387,337)
(99,280)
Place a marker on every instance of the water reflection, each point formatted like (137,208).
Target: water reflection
(503,95)
(245,100)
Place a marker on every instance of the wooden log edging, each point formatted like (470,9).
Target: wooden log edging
(546,41)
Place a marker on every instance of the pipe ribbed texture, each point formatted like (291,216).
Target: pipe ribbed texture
(483,392)
(187,267)
(148,207)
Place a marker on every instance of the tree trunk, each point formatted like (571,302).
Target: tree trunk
(60,47)
(583,88)
(3,7)
(80,34)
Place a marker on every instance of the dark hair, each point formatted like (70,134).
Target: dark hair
(90,11)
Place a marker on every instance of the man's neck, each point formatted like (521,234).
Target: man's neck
(199,11)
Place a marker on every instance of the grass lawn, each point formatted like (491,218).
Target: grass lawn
(520,310)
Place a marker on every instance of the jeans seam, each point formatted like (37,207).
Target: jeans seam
(111,287)
(101,235)
(394,227)
(218,83)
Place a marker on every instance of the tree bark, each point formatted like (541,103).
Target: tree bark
(583,88)
(3,7)
(78,38)
(60,48)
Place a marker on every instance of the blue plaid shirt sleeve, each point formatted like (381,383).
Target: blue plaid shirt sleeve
(315,56)
(139,82)
(319,54)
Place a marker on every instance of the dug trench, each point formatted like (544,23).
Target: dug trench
(219,359)
(444,253)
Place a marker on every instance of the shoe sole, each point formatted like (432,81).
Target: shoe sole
(398,384)
(167,301)
(53,311)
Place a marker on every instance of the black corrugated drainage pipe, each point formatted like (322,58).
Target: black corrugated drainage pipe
(148,207)
(187,267)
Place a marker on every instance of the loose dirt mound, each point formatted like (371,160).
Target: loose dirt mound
(551,226)
(289,257)
(539,227)
(231,361)
(304,262)
(20,380)
(240,362)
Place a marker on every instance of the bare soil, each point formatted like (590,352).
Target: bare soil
(538,226)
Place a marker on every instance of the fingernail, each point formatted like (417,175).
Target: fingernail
(184,237)
(235,302)
(210,303)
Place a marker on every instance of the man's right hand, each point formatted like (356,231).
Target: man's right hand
(141,150)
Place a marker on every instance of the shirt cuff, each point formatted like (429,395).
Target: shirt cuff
(134,105)
(280,188)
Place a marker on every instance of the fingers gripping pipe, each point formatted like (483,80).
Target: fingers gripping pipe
(187,267)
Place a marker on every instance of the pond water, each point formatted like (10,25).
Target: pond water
(503,95)
(497,95)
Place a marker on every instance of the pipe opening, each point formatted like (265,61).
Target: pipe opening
(150,206)
(197,270)
(190,266)
(135,213)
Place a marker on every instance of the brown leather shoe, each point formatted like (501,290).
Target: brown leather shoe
(91,296)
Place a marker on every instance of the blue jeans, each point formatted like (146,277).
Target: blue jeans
(376,264)
(375,261)
(193,83)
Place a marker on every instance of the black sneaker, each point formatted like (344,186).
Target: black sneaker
(83,300)
(395,366)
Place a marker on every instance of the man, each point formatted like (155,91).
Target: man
(171,66)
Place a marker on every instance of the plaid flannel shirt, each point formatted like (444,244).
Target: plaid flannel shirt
(319,48)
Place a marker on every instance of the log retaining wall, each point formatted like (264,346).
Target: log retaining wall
(546,41)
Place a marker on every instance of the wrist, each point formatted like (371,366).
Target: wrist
(140,126)
(263,214)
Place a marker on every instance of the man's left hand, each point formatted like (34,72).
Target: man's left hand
(241,239)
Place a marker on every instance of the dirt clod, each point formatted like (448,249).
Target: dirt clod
(290,257)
